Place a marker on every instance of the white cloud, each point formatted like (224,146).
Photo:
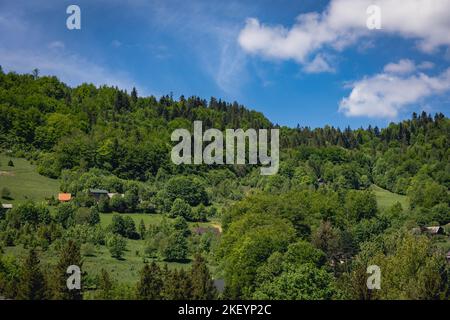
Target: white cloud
(426,65)
(344,22)
(385,95)
(402,67)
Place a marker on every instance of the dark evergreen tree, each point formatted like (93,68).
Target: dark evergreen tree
(202,284)
(69,255)
(32,284)
(150,284)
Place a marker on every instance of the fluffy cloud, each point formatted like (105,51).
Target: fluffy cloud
(386,94)
(402,67)
(343,22)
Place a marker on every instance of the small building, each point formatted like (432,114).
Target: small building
(97,193)
(112,194)
(220,285)
(7,206)
(435,230)
(64,197)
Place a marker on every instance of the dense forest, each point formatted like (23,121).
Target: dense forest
(308,232)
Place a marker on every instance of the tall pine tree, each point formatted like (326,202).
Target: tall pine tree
(150,283)
(32,284)
(69,255)
(202,284)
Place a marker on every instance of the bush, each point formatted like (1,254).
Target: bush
(189,189)
(117,246)
(123,226)
(176,248)
(10,163)
(6,193)
(88,250)
(118,203)
(181,208)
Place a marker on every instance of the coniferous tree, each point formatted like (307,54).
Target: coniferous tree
(134,95)
(177,285)
(142,229)
(105,285)
(202,284)
(32,284)
(150,283)
(70,255)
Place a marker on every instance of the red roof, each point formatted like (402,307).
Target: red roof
(64,196)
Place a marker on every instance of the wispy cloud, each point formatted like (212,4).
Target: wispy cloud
(23,48)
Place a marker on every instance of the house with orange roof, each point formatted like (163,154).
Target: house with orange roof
(64,197)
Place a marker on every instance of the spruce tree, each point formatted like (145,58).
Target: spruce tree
(150,283)
(202,284)
(105,285)
(142,229)
(69,255)
(134,95)
(32,284)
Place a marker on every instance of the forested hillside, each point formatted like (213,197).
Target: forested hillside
(308,232)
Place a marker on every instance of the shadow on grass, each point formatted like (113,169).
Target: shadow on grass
(184,261)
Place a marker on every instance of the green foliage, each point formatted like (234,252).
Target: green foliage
(176,248)
(116,245)
(301,234)
(6,193)
(180,208)
(69,255)
(150,283)
(32,284)
(105,285)
(360,205)
(411,269)
(65,214)
(305,282)
(427,193)
(189,189)
(202,283)
(247,244)
(123,226)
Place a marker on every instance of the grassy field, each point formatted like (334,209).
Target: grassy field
(386,199)
(24,182)
(125,270)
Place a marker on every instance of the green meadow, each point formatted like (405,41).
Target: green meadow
(24,182)
(386,199)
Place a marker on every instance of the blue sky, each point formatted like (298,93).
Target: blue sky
(309,62)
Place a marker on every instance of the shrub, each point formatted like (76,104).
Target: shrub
(88,250)
(117,246)
(6,193)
